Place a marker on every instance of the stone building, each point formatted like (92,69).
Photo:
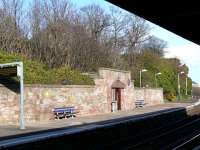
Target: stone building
(113,91)
(195,91)
(117,86)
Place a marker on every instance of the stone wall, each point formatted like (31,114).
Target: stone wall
(152,96)
(9,106)
(90,100)
(41,99)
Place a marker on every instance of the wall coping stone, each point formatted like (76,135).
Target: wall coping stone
(93,75)
(137,88)
(116,70)
(55,86)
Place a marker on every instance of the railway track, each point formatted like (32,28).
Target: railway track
(170,136)
(184,134)
(192,143)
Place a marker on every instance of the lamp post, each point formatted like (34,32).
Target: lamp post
(143,70)
(179,87)
(186,85)
(157,74)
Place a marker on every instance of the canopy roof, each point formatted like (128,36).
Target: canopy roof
(118,84)
(8,71)
(178,16)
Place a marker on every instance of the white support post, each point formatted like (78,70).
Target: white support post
(21,76)
(186,86)
(140,78)
(179,87)
(19,66)
(156,80)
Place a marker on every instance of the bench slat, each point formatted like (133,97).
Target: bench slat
(139,103)
(65,112)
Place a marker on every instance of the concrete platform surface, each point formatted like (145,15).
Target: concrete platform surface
(8,130)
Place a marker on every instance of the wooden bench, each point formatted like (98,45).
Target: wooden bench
(65,112)
(140,103)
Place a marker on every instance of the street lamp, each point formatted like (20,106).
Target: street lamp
(186,84)
(157,74)
(179,87)
(143,70)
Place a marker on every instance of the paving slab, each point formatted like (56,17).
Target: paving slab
(8,130)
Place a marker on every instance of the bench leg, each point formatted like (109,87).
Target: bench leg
(73,116)
(56,116)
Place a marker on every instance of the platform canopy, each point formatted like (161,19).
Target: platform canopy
(8,71)
(11,70)
(178,16)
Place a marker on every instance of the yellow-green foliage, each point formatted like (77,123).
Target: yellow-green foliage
(38,73)
(72,76)
(170,96)
(167,80)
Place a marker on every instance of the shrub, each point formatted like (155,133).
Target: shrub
(71,76)
(170,96)
(36,72)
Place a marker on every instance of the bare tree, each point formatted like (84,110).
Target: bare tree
(13,8)
(60,35)
(118,23)
(58,10)
(35,19)
(136,34)
(155,46)
(12,38)
(95,20)
(51,31)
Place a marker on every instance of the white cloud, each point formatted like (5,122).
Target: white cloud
(188,54)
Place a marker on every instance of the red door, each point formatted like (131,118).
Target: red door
(118,98)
